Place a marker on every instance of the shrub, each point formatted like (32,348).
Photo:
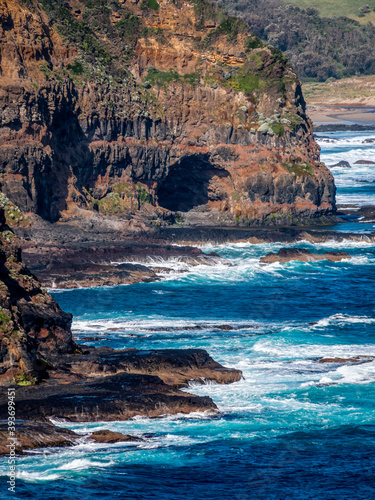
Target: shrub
(153,4)
(278,128)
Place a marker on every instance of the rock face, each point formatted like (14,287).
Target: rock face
(32,325)
(285,255)
(152,109)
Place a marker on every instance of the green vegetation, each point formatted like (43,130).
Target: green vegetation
(129,26)
(76,68)
(124,196)
(299,169)
(13,214)
(230,26)
(25,379)
(158,78)
(113,203)
(318,47)
(278,128)
(122,188)
(143,195)
(151,4)
(6,323)
(294,120)
(248,82)
(253,43)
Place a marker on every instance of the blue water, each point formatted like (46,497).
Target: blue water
(294,428)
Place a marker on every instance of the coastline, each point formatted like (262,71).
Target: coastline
(83,383)
(342,114)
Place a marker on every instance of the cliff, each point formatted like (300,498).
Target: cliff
(32,325)
(164,110)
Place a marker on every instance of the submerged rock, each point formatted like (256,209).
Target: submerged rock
(364,162)
(285,255)
(106,436)
(31,435)
(354,359)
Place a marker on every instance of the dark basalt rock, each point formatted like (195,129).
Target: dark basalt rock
(35,434)
(54,377)
(105,384)
(335,127)
(113,397)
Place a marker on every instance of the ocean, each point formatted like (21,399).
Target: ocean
(293,428)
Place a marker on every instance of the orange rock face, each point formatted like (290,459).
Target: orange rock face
(152,111)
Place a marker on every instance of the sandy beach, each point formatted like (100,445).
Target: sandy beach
(348,101)
(361,115)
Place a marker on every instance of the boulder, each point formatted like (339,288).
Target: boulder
(107,436)
(341,164)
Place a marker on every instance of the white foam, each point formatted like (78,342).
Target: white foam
(282,349)
(83,464)
(343,319)
(152,324)
(37,477)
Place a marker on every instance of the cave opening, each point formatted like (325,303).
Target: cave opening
(187,184)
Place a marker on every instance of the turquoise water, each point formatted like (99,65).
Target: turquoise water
(294,428)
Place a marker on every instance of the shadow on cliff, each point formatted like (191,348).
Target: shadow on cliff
(187,184)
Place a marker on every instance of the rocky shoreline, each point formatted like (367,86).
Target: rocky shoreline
(110,385)
(81,253)
(106,385)
(77,383)
(54,377)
